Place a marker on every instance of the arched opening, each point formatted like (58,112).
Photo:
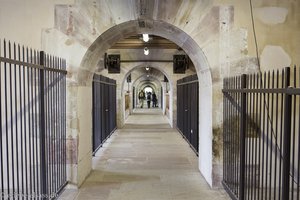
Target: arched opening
(154,78)
(93,58)
(148,89)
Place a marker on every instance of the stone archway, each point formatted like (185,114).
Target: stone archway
(174,34)
(165,73)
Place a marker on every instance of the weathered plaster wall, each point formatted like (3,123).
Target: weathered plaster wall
(23,21)
(277,23)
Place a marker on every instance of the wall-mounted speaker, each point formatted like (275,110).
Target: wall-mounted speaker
(112,63)
(166,79)
(129,78)
(180,64)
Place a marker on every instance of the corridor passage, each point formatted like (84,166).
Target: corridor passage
(145,160)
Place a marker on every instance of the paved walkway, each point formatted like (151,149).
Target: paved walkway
(145,160)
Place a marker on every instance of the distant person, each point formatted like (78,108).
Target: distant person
(154,100)
(148,99)
(141,98)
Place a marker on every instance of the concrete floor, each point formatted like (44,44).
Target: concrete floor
(145,160)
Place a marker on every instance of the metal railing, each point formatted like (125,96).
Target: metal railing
(262,135)
(104,109)
(33,123)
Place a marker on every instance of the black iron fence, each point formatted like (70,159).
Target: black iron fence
(104,109)
(262,135)
(187,109)
(33,123)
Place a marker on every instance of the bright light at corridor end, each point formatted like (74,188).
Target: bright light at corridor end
(146,51)
(145,37)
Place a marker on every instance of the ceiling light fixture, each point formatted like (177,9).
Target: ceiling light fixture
(147,68)
(146,51)
(145,37)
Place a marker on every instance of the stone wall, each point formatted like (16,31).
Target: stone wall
(217,35)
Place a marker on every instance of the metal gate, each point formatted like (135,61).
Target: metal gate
(262,135)
(104,109)
(187,109)
(33,123)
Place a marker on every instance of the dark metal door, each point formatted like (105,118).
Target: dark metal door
(104,109)
(133,97)
(194,101)
(187,109)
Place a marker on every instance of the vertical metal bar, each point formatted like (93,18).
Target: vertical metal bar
(32,124)
(294,135)
(252,129)
(235,170)
(276,136)
(47,117)
(263,138)
(287,139)
(36,57)
(48,96)
(229,176)
(256,121)
(29,88)
(48,136)
(247,142)
(57,141)
(266,136)
(243,137)
(236,136)
(51,127)
(26,82)
(11,120)
(16,126)
(42,129)
(57,127)
(6,120)
(267,107)
(252,123)
(271,135)
(21,81)
(227,137)
(233,127)
(224,132)
(55,149)
(60,138)
(1,140)
(247,145)
(231,155)
(64,120)
(52,138)
(298,164)
(259,111)
(281,134)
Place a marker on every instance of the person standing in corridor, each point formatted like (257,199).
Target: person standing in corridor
(141,98)
(148,99)
(154,100)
